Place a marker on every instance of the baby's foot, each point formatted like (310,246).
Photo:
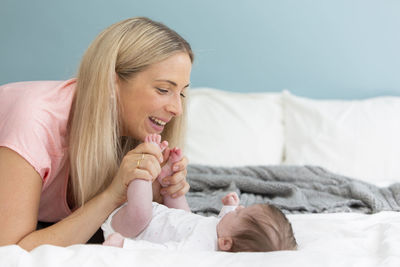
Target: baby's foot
(156,139)
(175,155)
(230,199)
(114,240)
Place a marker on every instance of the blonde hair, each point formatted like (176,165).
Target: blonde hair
(95,146)
(266,230)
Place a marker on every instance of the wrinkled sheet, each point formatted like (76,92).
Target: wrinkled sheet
(331,239)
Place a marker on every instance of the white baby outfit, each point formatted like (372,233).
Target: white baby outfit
(174,229)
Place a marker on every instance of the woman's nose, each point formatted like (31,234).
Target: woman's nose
(175,106)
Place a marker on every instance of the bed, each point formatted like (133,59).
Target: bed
(341,158)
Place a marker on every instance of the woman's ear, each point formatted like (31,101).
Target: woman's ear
(225,243)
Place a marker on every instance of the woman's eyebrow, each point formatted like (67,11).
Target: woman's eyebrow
(171,82)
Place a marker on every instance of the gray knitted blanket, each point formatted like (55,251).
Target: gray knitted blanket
(294,189)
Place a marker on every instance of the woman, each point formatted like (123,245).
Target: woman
(68,150)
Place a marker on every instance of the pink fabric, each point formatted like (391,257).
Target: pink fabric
(33,122)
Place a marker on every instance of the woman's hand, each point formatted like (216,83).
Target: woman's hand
(143,162)
(178,185)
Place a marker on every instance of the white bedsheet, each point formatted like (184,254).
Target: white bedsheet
(341,239)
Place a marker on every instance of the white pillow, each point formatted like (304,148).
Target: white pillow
(234,129)
(358,138)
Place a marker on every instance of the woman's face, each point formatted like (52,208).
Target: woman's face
(154,96)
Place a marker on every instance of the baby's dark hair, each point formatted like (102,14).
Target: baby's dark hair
(267,230)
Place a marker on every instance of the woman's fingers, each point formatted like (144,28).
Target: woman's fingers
(150,149)
(181,192)
(178,186)
(176,178)
(180,165)
(150,164)
(147,157)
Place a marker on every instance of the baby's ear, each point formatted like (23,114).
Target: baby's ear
(225,243)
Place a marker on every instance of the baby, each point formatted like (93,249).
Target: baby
(259,227)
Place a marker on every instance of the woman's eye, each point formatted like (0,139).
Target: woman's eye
(163,91)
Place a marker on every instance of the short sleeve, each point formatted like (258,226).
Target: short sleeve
(23,132)
(28,126)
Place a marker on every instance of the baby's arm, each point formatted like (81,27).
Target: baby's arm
(231,199)
(131,219)
(230,202)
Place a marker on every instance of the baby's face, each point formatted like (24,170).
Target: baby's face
(231,222)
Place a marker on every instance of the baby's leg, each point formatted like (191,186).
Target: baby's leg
(131,219)
(179,202)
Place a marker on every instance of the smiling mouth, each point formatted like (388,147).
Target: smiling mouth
(157,121)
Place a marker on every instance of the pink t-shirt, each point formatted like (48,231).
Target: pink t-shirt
(33,123)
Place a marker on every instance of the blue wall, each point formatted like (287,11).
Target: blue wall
(321,49)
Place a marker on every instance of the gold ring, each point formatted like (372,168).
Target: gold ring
(139,161)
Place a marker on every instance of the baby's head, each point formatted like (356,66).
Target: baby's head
(259,227)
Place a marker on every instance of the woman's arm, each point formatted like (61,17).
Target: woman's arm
(20,190)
